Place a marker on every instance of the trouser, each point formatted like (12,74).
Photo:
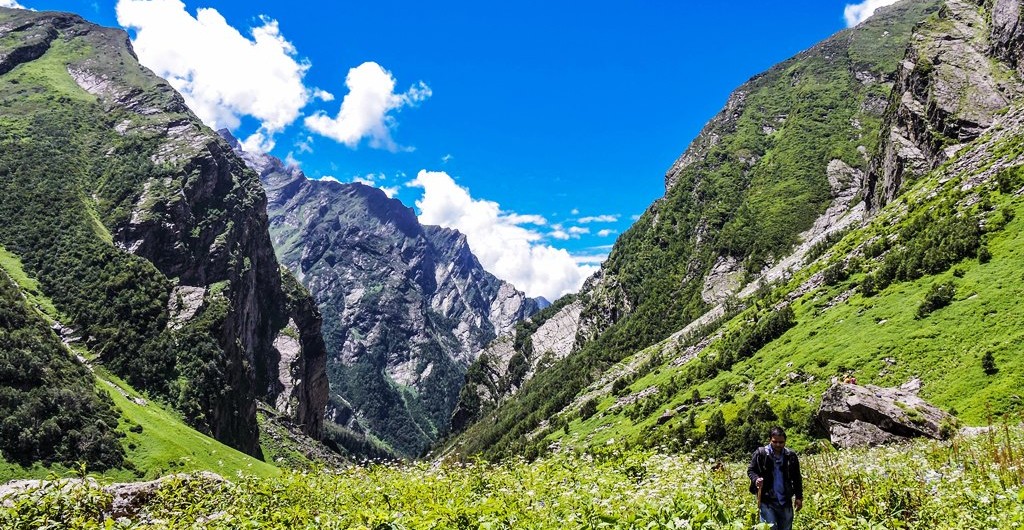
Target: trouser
(780,516)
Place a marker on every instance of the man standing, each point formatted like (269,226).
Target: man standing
(775,471)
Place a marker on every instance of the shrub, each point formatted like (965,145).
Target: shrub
(939,296)
(988,363)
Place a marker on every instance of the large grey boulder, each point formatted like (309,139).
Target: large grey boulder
(868,415)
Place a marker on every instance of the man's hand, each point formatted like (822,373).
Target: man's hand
(798,504)
(758,482)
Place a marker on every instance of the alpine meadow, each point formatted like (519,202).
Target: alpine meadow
(195,333)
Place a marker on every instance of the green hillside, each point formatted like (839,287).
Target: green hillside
(754,179)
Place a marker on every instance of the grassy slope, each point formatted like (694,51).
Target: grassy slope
(878,338)
(164,445)
(748,195)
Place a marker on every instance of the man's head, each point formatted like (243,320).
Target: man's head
(777,437)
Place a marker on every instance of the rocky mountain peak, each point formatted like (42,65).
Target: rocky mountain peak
(406,307)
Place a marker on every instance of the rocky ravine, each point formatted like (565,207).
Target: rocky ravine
(406,307)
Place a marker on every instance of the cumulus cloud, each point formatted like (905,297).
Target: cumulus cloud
(599,219)
(499,240)
(605,232)
(11,3)
(857,13)
(365,110)
(323,95)
(222,74)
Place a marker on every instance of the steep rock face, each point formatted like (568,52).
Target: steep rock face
(510,361)
(165,188)
(406,307)
(947,92)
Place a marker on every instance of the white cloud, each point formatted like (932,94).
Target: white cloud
(605,232)
(323,95)
(575,211)
(600,219)
(560,234)
(590,259)
(11,3)
(222,74)
(305,145)
(578,230)
(331,178)
(365,109)
(857,13)
(447,158)
(504,247)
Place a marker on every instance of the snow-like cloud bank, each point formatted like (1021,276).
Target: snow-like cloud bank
(857,13)
(11,3)
(504,246)
(222,74)
(365,110)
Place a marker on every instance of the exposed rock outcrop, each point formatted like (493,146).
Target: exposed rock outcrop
(406,307)
(856,415)
(947,92)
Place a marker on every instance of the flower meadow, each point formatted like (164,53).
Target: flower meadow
(975,482)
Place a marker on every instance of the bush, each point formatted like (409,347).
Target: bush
(939,296)
(988,363)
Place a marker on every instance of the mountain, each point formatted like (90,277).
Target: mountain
(851,210)
(406,307)
(137,233)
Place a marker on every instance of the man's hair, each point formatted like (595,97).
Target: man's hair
(777,431)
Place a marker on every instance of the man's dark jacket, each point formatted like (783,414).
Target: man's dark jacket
(762,464)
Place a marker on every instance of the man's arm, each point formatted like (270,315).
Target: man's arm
(754,470)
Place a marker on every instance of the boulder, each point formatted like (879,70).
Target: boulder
(126,499)
(859,415)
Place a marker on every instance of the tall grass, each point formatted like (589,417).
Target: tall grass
(969,482)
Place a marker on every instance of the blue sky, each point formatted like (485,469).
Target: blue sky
(540,129)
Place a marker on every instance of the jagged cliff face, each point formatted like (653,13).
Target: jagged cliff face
(948,91)
(214,329)
(406,307)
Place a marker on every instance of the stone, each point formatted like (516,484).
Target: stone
(857,415)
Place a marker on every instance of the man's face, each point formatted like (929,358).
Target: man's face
(778,443)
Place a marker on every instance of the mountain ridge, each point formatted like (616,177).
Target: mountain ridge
(407,307)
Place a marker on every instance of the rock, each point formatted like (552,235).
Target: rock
(666,416)
(408,306)
(948,91)
(858,415)
(130,499)
(127,499)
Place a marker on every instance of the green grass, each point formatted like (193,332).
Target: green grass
(28,285)
(166,444)
(968,483)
